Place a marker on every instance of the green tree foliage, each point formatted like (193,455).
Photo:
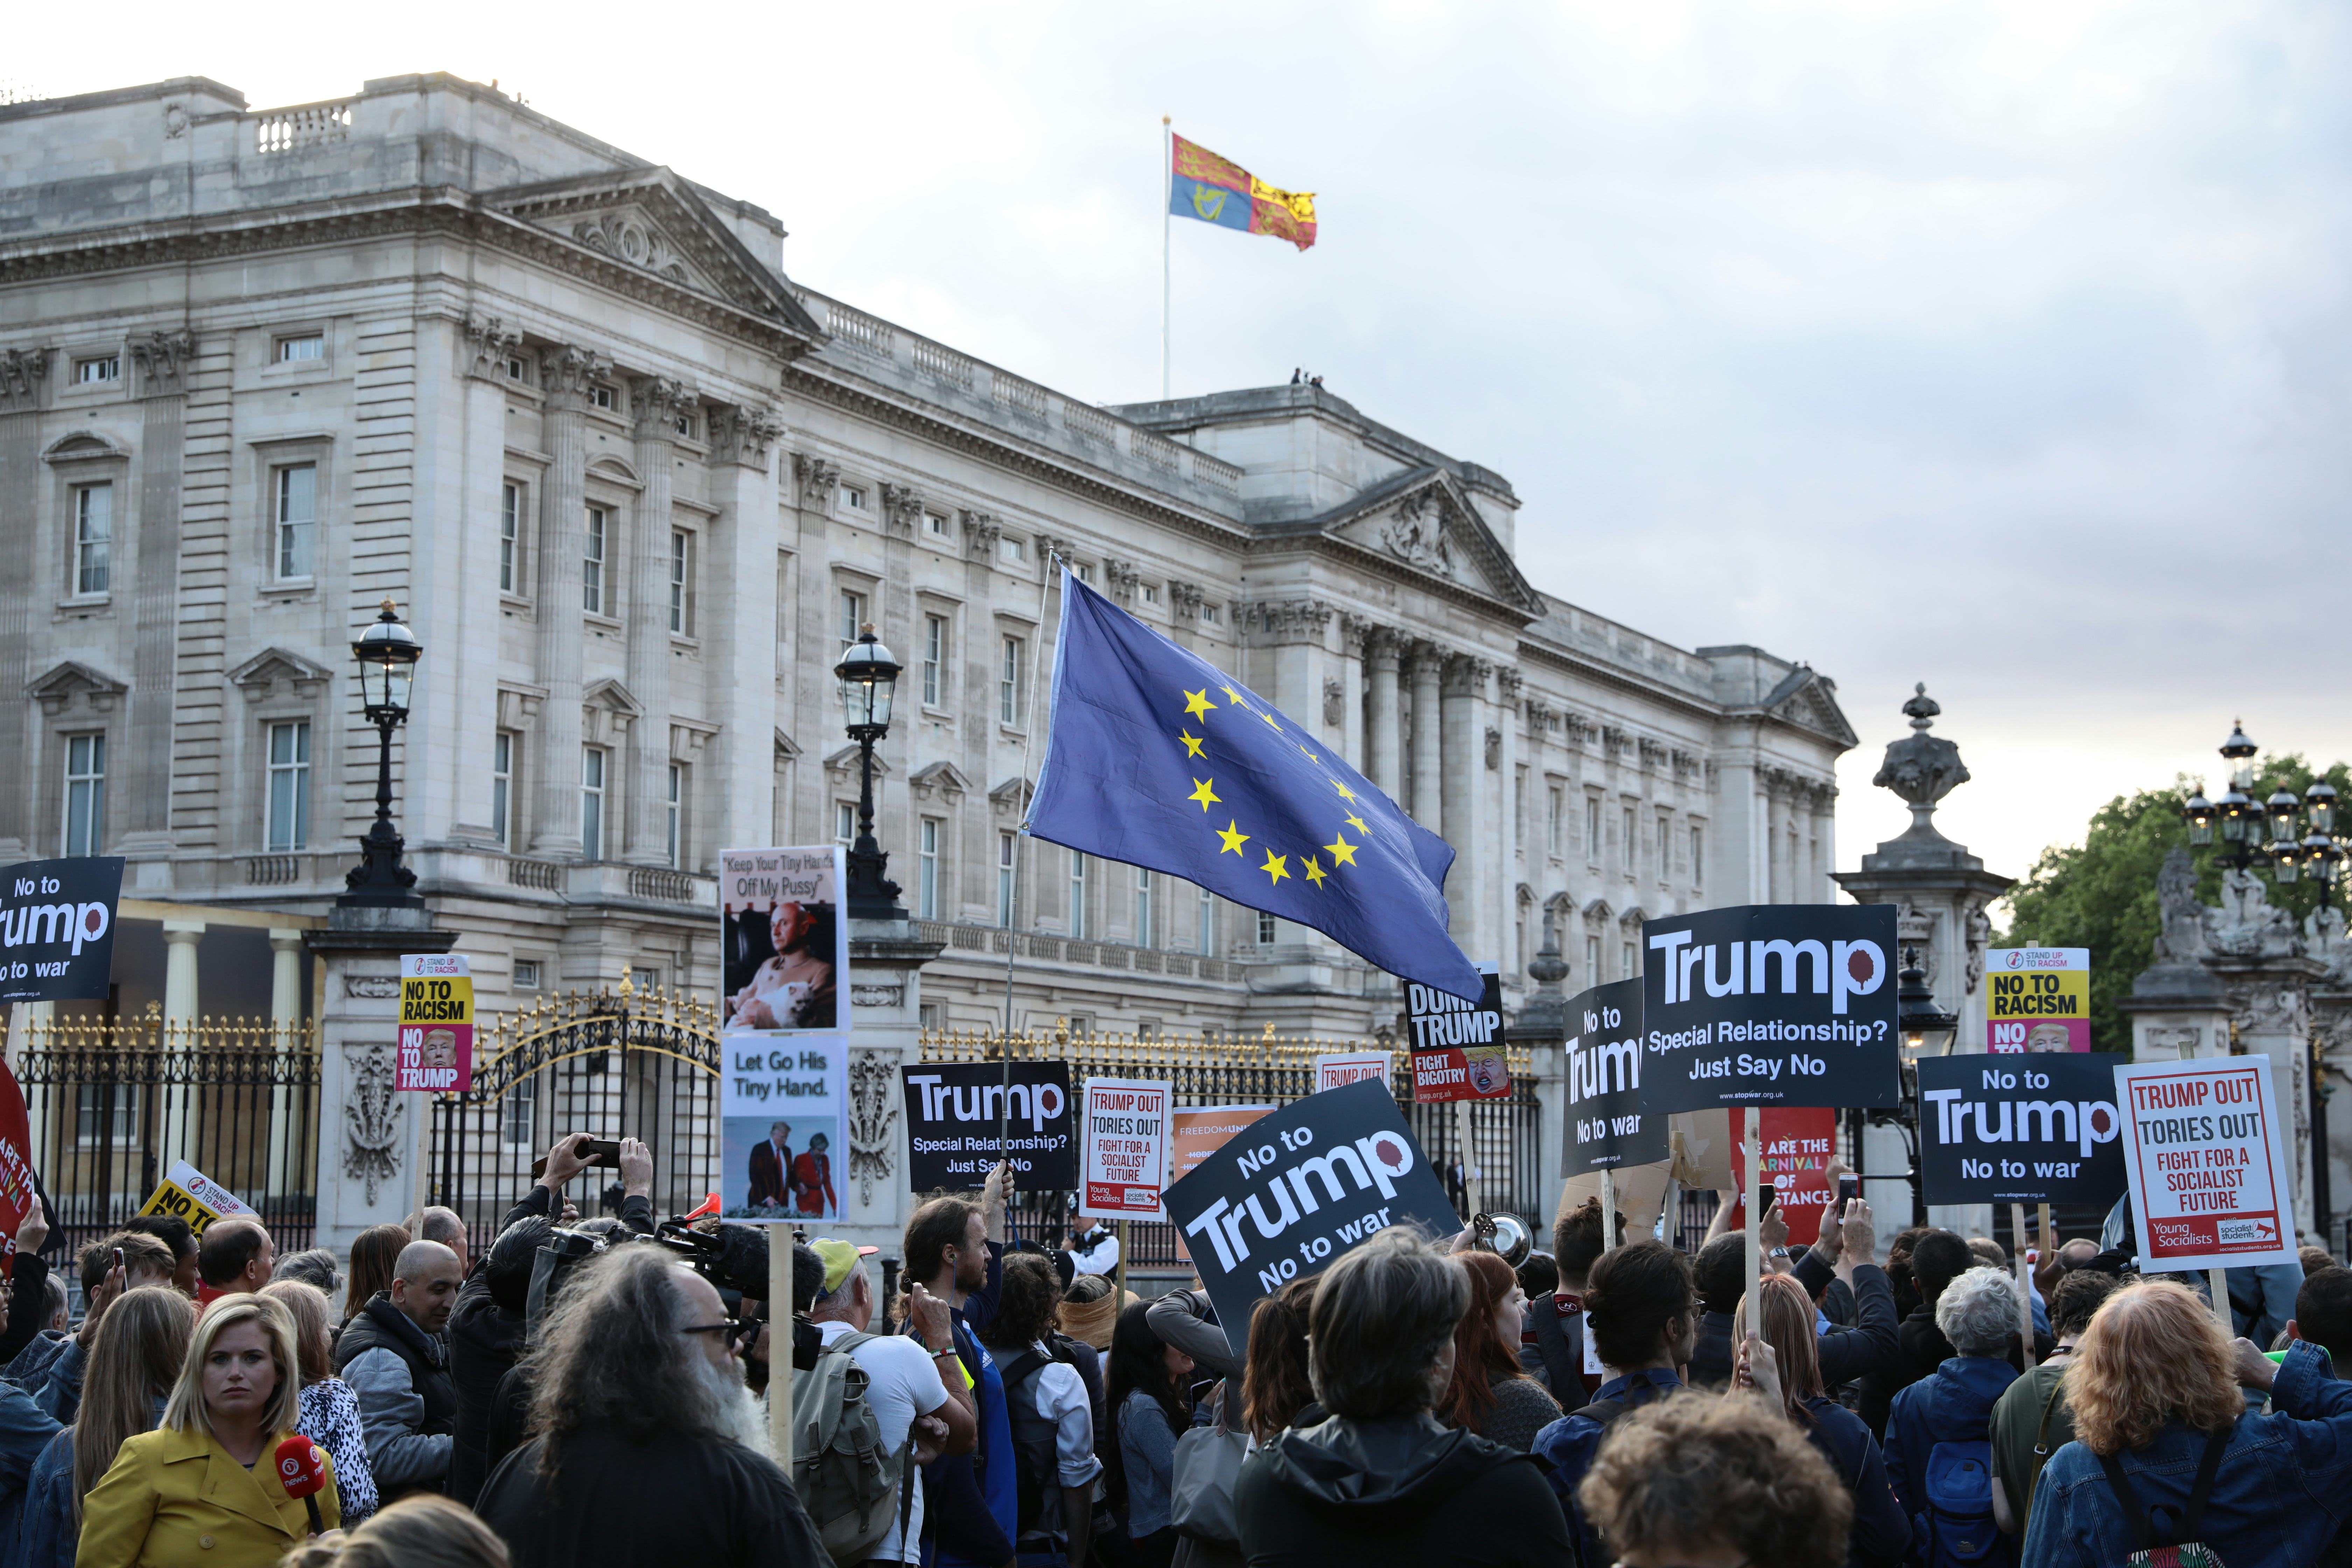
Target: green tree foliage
(2101,893)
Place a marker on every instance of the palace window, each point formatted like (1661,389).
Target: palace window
(91,372)
(509,538)
(935,656)
(927,870)
(303,346)
(295,509)
(93,507)
(591,560)
(503,789)
(592,802)
(85,794)
(289,786)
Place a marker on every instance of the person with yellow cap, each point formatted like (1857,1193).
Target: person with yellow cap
(907,1377)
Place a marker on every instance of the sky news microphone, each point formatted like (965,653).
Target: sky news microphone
(304,1470)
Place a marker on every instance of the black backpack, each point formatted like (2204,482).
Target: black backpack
(1036,1464)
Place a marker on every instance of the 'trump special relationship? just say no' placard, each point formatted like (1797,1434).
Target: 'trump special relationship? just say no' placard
(1769,1004)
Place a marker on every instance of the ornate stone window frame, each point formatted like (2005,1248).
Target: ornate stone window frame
(261,461)
(76,461)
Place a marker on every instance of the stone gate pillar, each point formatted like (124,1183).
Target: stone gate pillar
(885,993)
(365,1128)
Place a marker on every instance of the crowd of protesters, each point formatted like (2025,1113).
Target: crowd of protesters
(557,1397)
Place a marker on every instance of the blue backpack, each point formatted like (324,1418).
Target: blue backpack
(1956,1529)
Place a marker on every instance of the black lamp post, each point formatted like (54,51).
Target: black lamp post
(870,677)
(387,652)
(2296,837)
(1927,1031)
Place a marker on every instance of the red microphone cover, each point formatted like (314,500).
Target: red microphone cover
(301,1466)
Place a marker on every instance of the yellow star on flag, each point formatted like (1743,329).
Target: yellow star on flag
(1342,853)
(1197,703)
(1310,756)
(1235,698)
(1352,820)
(1233,840)
(1345,793)
(1314,873)
(1273,866)
(1272,720)
(1202,793)
(1191,746)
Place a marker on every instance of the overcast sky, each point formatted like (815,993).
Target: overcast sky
(1999,346)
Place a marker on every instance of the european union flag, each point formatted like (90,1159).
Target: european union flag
(1159,759)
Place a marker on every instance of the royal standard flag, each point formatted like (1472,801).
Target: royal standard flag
(1202,186)
(1157,758)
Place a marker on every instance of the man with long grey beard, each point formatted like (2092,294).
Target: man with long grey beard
(646,1451)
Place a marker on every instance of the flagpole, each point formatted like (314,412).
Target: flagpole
(1167,288)
(1020,839)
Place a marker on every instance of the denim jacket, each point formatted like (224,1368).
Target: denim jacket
(2285,1484)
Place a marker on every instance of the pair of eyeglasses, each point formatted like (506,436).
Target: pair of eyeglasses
(729,1328)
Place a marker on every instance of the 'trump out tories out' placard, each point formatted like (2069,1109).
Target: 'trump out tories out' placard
(1770,1005)
(1125,1135)
(2208,1161)
(1300,1188)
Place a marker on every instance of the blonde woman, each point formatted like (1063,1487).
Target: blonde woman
(330,1410)
(2155,1387)
(202,1488)
(1777,1358)
(141,1343)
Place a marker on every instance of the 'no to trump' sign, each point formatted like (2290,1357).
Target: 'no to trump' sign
(1126,1161)
(2208,1163)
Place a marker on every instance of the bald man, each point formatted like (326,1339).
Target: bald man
(235,1254)
(444,1226)
(392,1355)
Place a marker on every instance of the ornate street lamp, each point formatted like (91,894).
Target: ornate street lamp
(387,652)
(1928,1030)
(2296,837)
(869,678)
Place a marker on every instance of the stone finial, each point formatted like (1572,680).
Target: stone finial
(1922,708)
(1922,768)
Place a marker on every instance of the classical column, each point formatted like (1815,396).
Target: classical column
(23,375)
(285,975)
(1381,710)
(179,939)
(565,375)
(655,401)
(1424,805)
(1463,777)
(162,359)
(742,575)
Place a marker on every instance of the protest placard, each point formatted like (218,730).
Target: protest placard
(1606,1127)
(1125,1129)
(2037,1000)
(56,928)
(1196,1133)
(1350,1067)
(2207,1157)
(783,1107)
(18,1198)
(953,1112)
(1770,1005)
(1458,1050)
(1794,1145)
(1995,1130)
(1308,1183)
(784,948)
(435,1054)
(187,1193)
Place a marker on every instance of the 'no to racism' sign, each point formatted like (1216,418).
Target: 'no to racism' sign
(2019,1129)
(1772,1004)
(2038,999)
(1298,1188)
(1606,1125)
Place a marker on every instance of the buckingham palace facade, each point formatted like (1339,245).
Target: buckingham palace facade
(632,487)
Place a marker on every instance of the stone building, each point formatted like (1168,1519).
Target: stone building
(632,487)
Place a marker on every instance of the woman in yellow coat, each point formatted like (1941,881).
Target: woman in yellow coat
(202,1490)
